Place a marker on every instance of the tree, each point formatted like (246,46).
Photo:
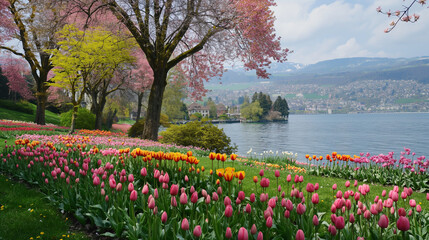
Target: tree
(212,108)
(281,106)
(251,111)
(14,70)
(85,55)
(202,34)
(403,15)
(33,24)
(175,92)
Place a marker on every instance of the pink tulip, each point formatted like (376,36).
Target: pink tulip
(186,178)
(300,209)
(260,236)
(133,195)
(347,184)
(413,203)
(409,191)
(219,190)
(174,189)
(253,230)
(183,199)
(265,182)
(272,203)
(173,201)
(334,187)
(315,220)
(427,196)
(383,194)
(395,196)
(145,189)
(96,181)
(352,218)
(277,173)
(228,233)
(261,173)
(310,187)
(228,211)
(301,178)
(249,209)
(194,197)
(215,197)
(192,190)
(241,195)
(289,205)
(197,231)
(315,198)
(185,224)
(151,203)
(404,195)
(130,187)
(287,214)
(357,196)
(299,235)
(339,194)
(289,178)
(242,234)
(367,214)
(403,223)
(418,208)
(269,222)
(119,187)
(166,178)
(227,201)
(131,178)
(316,186)
(402,212)
(374,210)
(355,183)
(332,230)
(383,222)
(143,172)
(164,217)
(252,198)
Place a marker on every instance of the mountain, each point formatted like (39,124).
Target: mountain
(339,71)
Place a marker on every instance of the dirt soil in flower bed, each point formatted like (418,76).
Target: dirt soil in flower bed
(123,127)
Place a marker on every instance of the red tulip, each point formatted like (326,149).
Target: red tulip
(227,201)
(242,234)
(194,197)
(261,173)
(383,222)
(352,218)
(289,205)
(403,223)
(197,231)
(164,217)
(174,189)
(402,212)
(252,198)
(96,181)
(248,208)
(133,195)
(277,173)
(332,230)
(185,224)
(241,195)
(300,235)
(287,214)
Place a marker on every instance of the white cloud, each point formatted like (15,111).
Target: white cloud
(333,28)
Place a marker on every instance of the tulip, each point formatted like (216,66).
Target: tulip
(197,231)
(402,212)
(272,203)
(228,211)
(131,178)
(347,184)
(316,186)
(215,197)
(194,197)
(383,222)
(301,179)
(403,223)
(249,209)
(143,172)
(300,235)
(260,236)
(334,187)
(265,182)
(352,218)
(96,181)
(315,198)
(164,217)
(339,194)
(227,201)
(145,189)
(119,187)
(130,187)
(289,178)
(241,195)
(427,196)
(252,198)
(357,196)
(367,214)
(418,208)
(133,195)
(242,234)
(261,173)
(277,173)
(300,209)
(383,194)
(413,203)
(228,233)
(185,224)
(332,230)
(315,220)
(174,189)
(287,214)
(289,205)
(173,201)
(310,187)
(183,199)
(253,230)
(219,190)
(269,222)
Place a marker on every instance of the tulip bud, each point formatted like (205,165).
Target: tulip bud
(260,236)
(383,222)
(300,235)
(403,223)
(185,224)
(228,211)
(315,220)
(133,195)
(253,230)
(228,233)
(164,217)
(197,231)
(242,234)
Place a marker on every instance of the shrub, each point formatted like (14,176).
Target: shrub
(199,134)
(85,119)
(20,106)
(136,129)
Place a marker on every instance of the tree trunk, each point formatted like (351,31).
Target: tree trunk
(153,115)
(73,120)
(139,105)
(41,97)
(99,114)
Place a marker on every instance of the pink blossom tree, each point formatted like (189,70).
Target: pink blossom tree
(403,15)
(202,35)
(15,69)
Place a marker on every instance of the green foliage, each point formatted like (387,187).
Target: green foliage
(199,134)
(196,116)
(85,119)
(212,108)
(251,111)
(20,116)
(20,106)
(136,129)
(175,91)
(280,105)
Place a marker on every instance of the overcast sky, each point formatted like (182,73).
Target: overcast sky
(326,29)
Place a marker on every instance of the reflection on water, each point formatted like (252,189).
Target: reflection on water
(343,133)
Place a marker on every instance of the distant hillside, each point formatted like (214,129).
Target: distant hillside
(340,71)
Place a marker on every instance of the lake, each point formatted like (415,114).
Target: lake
(344,133)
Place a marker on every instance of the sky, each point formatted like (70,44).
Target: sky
(318,30)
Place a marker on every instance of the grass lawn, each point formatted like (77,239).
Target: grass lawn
(15,115)
(26,214)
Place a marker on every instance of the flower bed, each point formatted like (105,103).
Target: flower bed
(140,194)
